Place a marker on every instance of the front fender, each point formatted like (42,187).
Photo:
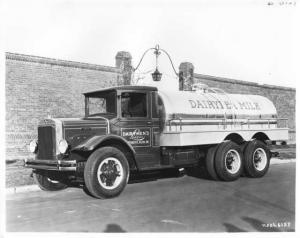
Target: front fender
(95,141)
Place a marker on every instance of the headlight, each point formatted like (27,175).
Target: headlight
(33,146)
(63,146)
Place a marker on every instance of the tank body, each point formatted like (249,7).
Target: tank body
(191,118)
(193,110)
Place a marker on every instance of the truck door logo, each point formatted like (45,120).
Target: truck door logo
(137,136)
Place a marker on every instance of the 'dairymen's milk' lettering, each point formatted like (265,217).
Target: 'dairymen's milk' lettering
(219,105)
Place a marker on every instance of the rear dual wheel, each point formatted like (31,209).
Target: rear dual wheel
(224,161)
(210,162)
(228,160)
(256,158)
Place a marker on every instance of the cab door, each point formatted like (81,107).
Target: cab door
(139,128)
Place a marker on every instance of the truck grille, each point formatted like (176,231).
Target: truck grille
(46,143)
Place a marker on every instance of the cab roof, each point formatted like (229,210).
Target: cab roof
(125,87)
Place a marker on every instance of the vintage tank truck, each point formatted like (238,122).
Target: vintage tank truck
(131,129)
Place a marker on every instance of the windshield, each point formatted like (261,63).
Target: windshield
(102,103)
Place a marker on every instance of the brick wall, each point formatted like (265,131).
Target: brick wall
(284,98)
(37,87)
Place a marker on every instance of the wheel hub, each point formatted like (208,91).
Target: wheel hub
(232,161)
(260,159)
(110,173)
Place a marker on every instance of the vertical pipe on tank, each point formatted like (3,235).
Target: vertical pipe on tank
(186,76)
(181,81)
(123,62)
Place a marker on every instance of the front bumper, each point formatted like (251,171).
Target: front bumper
(58,165)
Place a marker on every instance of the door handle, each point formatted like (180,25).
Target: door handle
(149,122)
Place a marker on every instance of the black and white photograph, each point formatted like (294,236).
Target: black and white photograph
(151,116)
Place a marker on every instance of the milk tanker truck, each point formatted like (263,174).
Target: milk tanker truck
(133,129)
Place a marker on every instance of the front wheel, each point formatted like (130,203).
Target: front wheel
(46,183)
(257,159)
(106,172)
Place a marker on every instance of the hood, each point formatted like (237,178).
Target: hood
(82,122)
(76,130)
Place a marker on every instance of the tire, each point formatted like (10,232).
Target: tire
(47,184)
(106,172)
(229,161)
(256,159)
(210,162)
(86,191)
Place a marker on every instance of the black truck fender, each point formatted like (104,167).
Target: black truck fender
(96,141)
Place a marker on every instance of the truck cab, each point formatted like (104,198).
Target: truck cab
(132,113)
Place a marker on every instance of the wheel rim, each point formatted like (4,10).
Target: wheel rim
(52,181)
(232,161)
(110,173)
(260,159)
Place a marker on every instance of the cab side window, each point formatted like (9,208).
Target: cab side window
(134,104)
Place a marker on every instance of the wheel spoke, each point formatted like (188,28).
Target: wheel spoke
(109,182)
(103,177)
(104,168)
(111,164)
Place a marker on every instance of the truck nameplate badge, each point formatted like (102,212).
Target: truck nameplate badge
(137,136)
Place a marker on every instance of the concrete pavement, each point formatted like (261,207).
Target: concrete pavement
(185,204)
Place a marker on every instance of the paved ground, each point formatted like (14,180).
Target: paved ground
(170,204)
